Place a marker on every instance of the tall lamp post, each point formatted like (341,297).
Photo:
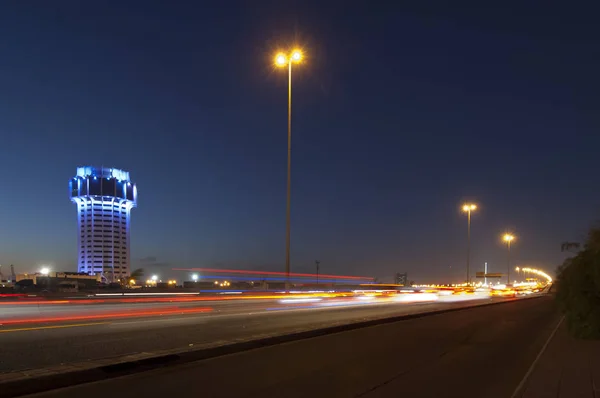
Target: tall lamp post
(508,238)
(283,60)
(468,208)
(317,262)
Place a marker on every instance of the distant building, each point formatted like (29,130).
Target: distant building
(401,279)
(104,199)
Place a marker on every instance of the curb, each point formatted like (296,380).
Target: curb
(43,380)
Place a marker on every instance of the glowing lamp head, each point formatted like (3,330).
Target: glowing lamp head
(508,238)
(195,277)
(296,56)
(281,60)
(469,207)
(154,278)
(45,271)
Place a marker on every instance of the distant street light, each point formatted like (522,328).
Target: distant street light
(468,208)
(282,60)
(45,271)
(154,278)
(195,277)
(508,238)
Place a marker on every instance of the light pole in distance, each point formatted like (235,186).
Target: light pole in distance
(282,60)
(317,262)
(468,208)
(508,238)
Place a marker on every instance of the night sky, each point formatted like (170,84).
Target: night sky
(400,114)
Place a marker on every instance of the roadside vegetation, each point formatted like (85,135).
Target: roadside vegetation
(578,289)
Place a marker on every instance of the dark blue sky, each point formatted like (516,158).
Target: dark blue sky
(400,114)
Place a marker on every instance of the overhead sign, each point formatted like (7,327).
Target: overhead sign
(491,275)
(400,279)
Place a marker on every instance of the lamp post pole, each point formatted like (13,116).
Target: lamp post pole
(282,60)
(508,238)
(289,182)
(508,264)
(317,263)
(468,208)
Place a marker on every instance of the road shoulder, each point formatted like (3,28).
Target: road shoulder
(568,368)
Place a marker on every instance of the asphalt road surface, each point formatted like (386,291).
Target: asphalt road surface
(480,352)
(74,333)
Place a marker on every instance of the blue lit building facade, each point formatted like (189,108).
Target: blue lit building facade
(104,199)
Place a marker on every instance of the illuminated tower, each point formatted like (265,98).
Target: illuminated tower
(104,198)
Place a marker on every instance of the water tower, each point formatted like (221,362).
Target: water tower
(104,199)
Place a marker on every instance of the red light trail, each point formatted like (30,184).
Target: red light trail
(130,314)
(237,271)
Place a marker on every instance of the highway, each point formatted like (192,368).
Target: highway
(39,334)
(480,352)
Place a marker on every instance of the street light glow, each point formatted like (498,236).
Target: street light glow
(154,278)
(469,207)
(195,277)
(508,237)
(45,271)
(538,272)
(281,59)
(296,55)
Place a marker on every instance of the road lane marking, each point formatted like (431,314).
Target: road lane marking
(535,361)
(53,327)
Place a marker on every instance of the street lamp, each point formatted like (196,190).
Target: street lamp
(154,278)
(195,277)
(45,271)
(282,60)
(508,238)
(468,208)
